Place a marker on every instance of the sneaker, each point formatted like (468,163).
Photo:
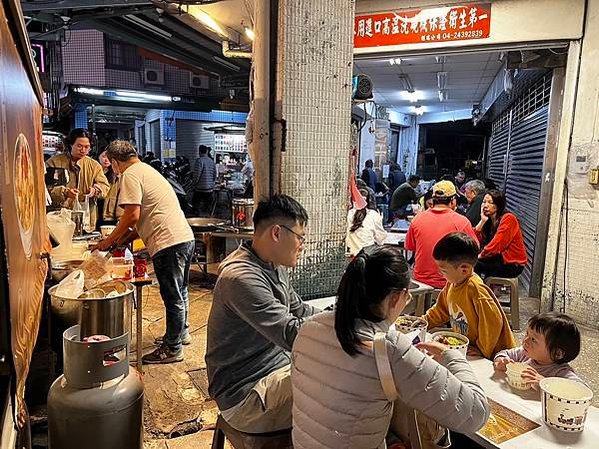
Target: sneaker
(185,340)
(162,355)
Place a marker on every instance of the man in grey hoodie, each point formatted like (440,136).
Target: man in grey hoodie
(254,320)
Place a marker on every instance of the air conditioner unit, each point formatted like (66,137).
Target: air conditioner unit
(199,81)
(154,76)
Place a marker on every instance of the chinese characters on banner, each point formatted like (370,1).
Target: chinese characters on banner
(453,23)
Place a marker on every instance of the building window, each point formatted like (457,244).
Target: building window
(121,55)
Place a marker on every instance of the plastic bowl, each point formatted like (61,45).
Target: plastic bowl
(462,347)
(514,375)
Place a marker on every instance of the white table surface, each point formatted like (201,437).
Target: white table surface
(395,238)
(528,404)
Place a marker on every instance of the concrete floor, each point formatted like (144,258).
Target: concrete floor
(178,413)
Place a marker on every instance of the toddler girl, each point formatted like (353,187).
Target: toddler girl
(551,341)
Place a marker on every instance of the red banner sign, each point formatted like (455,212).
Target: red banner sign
(451,23)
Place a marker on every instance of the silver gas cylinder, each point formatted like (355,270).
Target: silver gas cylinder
(98,402)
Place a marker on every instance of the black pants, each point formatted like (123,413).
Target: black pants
(203,202)
(495,266)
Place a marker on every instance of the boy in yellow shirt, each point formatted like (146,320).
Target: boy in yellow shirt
(466,302)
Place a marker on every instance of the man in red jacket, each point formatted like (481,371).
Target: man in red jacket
(431,226)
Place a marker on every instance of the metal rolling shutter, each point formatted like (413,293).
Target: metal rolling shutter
(497,154)
(516,157)
(188,137)
(524,177)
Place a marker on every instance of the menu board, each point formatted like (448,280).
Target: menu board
(230,143)
(505,424)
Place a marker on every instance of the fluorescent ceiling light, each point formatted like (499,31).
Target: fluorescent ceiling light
(413,97)
(406,83)
(443,95)
(89,91)
(142,95)
(225,63)
(442,80)
(441,59)
(148,26)
(396,61)
(250,33)
(418,109)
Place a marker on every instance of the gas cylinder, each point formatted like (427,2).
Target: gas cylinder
(98,402)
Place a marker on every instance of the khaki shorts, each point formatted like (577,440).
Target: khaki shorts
(267,407)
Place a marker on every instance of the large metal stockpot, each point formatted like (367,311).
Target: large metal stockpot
(104,310)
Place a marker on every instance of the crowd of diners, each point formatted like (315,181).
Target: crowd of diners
(450,205)
(275,362)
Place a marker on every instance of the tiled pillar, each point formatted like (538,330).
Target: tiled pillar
(315,55)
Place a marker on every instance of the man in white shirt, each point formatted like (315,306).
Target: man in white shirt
(152,209)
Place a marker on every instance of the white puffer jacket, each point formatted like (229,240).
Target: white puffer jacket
(338,400)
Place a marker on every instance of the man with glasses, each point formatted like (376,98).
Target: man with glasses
(254,320)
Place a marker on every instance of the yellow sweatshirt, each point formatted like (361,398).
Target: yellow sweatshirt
(473,310)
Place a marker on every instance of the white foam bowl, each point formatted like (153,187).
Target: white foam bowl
(565,403)
(463,348)
(514,375)
(404,328)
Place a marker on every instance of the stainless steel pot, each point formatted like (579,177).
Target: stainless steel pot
(243,212)
(62,269)
(95,311)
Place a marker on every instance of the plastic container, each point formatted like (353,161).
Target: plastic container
(407,324)
(441,338)
(121,268)
(106,230)
(565,403)
(514,375)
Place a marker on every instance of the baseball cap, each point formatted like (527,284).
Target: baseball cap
(444,189)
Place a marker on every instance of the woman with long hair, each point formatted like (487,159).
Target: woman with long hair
(364,227)
(338,397)
(503,252)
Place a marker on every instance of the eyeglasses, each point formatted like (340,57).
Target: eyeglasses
(302,238)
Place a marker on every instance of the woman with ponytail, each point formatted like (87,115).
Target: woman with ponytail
(338,398)
(364,226)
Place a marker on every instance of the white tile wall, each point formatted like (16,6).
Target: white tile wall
(83,58)
(580,296)
(316,41)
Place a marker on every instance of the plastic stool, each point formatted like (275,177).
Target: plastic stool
(514,307)
(280,439)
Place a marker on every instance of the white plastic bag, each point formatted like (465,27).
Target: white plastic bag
(61,228)
(86,216)
(71,286)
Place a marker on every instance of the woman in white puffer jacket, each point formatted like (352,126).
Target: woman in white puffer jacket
(364,227)
(338,399)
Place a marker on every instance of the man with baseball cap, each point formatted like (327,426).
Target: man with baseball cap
(431,226)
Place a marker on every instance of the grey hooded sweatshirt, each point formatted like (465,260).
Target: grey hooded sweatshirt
(253,322)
